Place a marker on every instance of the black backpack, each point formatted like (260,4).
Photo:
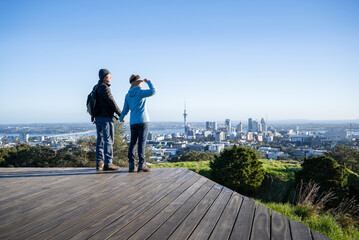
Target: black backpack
(91,102)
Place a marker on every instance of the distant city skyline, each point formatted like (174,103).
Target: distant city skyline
(287,60)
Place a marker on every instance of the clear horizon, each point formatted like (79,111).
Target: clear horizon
(230,59)
(274,121)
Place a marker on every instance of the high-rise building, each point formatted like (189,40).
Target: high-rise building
(250,125)
(264,125)
(208,125)
(211,126)
(228,125)
(240,127)
(220,136)
(255,126)
(24,137)
(150,136)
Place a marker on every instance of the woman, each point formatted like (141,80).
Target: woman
(136,102)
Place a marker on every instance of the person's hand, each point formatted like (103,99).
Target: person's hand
(146,80)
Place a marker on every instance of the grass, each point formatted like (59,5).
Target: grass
(324,223)
(283,169)
(201,167)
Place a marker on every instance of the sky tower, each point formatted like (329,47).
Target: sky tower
(185,121)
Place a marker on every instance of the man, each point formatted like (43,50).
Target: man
(136,102)
(105,109)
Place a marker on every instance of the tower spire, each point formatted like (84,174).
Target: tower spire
(185,120)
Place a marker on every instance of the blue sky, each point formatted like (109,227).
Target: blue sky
(228,59)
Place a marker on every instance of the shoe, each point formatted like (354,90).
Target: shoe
(131,167)
(110,167)
(143,169)
(99,166)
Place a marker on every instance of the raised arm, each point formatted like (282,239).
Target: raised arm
(148,92)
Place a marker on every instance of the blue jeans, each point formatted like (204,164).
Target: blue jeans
(139,133)
(105,134)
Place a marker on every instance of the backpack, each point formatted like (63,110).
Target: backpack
(91,102)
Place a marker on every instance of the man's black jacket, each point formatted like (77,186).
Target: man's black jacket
(105,104)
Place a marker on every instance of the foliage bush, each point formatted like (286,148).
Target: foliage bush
(327,173)
(239,169)
(346,156)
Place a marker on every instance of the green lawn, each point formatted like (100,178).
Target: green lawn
(284,169)
(198,167)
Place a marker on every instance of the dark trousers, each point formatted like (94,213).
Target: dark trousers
(139,133)
(105,134)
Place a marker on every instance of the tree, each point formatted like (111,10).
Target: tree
(120,146)
(238,168)
(327,173)
(347,156)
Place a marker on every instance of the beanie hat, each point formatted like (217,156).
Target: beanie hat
(103,73)
(134,77)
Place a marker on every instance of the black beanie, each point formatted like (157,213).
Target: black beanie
(103,73)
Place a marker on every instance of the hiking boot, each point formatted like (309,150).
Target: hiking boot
(99,166)
(110,167)
(131,167)
(143,168)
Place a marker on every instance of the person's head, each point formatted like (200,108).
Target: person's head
(105,75)
(135,80)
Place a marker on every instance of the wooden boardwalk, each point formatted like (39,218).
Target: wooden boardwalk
(167,203)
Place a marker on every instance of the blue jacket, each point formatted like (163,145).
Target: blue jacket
(136,102)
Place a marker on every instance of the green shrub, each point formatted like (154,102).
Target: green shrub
(239,169)
(327,173)
(353,180)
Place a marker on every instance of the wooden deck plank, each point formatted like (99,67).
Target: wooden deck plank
(180,206)
(39,191)
(186,227)
(279,227)
(299,231)
(107,222)
(318,236)
(67,208)
(153,210)
(47,198)
(31,188)
(34,187)
(209,221)
(261,223)
(65,225)
(225,223)
(243,225)
(33,179)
